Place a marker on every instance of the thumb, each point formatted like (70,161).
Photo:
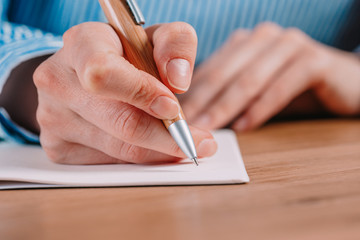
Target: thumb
(174,53)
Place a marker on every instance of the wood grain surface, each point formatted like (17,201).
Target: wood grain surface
(305,184)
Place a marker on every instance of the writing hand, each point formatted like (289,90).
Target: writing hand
(95,107)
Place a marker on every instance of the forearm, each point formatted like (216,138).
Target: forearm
(20,49)
(19,95)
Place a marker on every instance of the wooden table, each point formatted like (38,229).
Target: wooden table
(305,184)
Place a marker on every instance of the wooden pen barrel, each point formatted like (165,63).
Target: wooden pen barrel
(137,47)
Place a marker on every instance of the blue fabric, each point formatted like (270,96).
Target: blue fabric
(3,10)
(214,20)
(30,28)
(11,131)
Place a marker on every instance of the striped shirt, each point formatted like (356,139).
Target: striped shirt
(30,28)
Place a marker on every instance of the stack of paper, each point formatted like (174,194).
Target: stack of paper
(28,167)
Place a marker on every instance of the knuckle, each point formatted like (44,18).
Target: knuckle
(52,118)
(315,54)
(79,31)
(186,28)
(171,38)
(54,149)
(182,29)
(44,118)
(294,35)
(266,29)
(49,77)
(176,35)
(43,75)
(247,85)
(97,70)
(43,140)
(55,156)
(143,92)
(317,61)
(70,35)
(237,36)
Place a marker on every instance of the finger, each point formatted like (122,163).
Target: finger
(76,154)
(64,145)
(254,80)
(118,129)
(291,83)
(80,154)
(95,138)
(211,75)
(134,126)
(103,71)
(174,53)
(239,57)
(157,147)
(63,152)
(121,120)
(204,71)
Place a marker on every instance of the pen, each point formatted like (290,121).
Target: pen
(126,19)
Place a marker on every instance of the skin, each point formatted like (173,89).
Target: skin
(95,107)
(255,75)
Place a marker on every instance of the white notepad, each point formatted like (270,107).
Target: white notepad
(28,167)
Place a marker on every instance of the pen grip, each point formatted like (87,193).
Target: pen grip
(135,42)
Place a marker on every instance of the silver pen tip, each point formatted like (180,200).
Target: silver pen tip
(195,161)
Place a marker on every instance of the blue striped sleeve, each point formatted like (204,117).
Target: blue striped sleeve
(19,43)
(10,131)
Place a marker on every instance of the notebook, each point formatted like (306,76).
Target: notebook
(28,167)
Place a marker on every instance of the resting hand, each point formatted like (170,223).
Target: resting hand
(256,74)
(95,107)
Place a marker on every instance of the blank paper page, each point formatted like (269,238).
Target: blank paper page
(21,165)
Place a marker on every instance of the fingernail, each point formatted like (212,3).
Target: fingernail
(241,125)
(178,73)
(165,107)
(203,121)
(206,148)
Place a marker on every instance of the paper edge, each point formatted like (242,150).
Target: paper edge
(233,179)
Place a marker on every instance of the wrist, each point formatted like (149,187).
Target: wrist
(19,95)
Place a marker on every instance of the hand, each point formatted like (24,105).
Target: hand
(95,107)
(256,74)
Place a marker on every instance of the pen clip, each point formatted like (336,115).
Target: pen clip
(135,10)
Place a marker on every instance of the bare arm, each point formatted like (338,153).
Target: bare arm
(19,96)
